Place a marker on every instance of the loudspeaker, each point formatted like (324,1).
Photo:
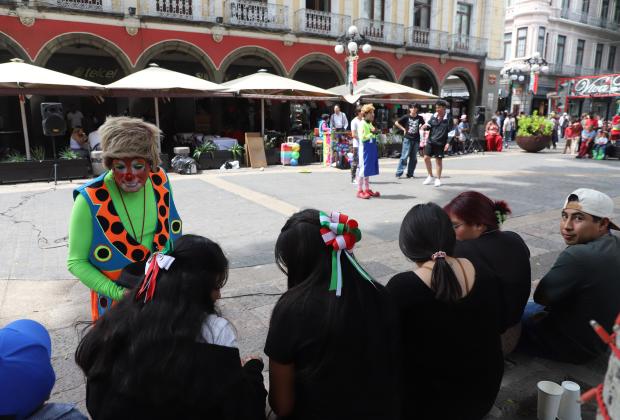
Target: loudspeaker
(306,152)
(479,117)
(53,119)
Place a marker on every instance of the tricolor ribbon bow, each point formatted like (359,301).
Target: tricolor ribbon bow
(155,262)
(341,233)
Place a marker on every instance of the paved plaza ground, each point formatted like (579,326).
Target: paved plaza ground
(244,211)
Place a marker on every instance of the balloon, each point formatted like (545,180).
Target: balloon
(295,155)
(295,147)
(294,162)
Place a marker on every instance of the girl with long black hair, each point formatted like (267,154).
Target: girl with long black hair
(331,341)
(448,311)
(163,351)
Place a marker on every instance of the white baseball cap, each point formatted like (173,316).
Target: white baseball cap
(592,202)
(463,117)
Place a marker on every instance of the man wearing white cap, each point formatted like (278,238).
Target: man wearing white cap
(582,285)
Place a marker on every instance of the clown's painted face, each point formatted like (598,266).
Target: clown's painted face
(130,174)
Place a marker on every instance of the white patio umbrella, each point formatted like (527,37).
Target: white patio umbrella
(263,85)
(373,89)
(19,78)
(156,81)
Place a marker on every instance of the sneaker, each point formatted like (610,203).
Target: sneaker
(399,176)
(438,182)
(410,176)
(363,194)
(373,193)
(428,180)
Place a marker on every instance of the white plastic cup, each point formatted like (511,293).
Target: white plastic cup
(549,397)
(570,407)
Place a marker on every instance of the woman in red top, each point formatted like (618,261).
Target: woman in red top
(492,136)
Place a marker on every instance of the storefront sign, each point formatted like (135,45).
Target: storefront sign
(96,73)
(603,85)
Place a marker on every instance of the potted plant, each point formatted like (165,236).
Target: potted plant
(209,157)
(71,165)
(534,132)
(272,153)
(15,167)
(238,152)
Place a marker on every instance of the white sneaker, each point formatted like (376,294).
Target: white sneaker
(438,182)
(428,180)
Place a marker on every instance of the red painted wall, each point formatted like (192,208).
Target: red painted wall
(33,39)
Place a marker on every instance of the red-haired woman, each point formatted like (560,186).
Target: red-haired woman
(476,220)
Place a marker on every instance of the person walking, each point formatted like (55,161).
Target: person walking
(410,125)
(439,125)
(355,123)
(508,129)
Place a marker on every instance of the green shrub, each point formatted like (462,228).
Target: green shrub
(38,153)
(237,151)
(207,147)
(15,157)
(534,125)
(68,154)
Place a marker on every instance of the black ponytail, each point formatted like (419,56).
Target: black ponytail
(426,230)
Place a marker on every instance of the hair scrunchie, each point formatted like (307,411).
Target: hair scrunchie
(500,216)
(341,233)
(438,254)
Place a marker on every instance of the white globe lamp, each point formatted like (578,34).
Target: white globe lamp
(514,77)
(339,49)
(544,69)
(521,78)
(352,47)
(352,30)
(535,67)
(366,48)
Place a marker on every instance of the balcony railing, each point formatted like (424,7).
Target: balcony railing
(587,19)
(470,45)
(321,23)
(426,39)
(178,9)
(256,14)
(379,31)
(568,70)
(88,5)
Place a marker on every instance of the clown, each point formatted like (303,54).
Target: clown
(124,214)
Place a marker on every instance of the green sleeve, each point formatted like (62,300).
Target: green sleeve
(80,239)
(366,134)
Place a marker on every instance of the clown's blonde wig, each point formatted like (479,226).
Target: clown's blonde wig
(368,108)
(126,137)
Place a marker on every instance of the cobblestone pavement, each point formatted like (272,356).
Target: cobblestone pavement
(244,211)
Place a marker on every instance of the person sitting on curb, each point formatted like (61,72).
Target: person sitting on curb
(476,220)
(27,376)
(164,351)
(581,286)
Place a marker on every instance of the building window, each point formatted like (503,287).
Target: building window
(377,9)
(598,57)
(559,52)
(565,4)
(546,46)
(604,9)
(322,5)
(617,12)
(521,41)
(507,46)
(463,18)
(422,14)
(611,59)
(581,45)
(540,46)
(585,7)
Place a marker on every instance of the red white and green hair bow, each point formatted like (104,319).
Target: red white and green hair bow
(341,233)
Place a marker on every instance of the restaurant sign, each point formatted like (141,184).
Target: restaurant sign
(602,85)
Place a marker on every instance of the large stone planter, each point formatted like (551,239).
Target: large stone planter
(533,144)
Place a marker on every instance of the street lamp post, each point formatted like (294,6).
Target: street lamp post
(349,43)
(517,73)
